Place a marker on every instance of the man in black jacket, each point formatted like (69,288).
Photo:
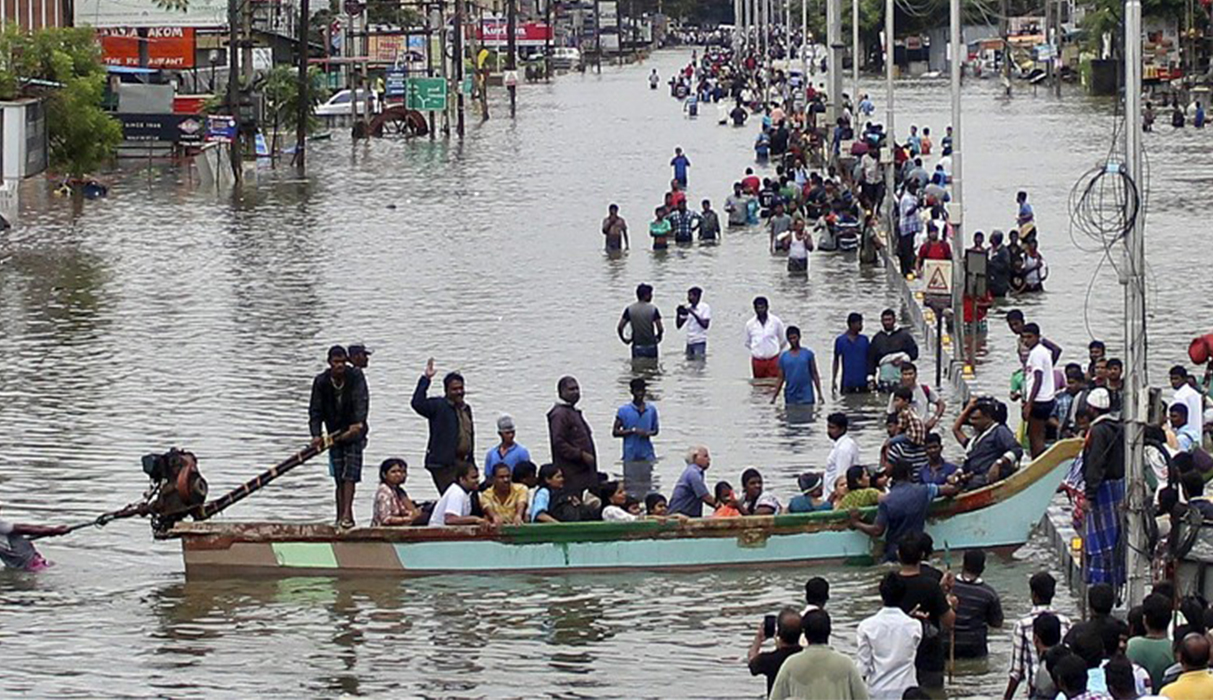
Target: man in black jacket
(452,437)
(340,402)
(1103,470)
(893,343)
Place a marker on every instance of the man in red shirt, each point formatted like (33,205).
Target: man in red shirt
(750,183)
(933,249)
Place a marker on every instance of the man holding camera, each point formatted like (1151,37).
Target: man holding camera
(786,631)
(696,316)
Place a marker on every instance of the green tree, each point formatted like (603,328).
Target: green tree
(63,67)
(281,90)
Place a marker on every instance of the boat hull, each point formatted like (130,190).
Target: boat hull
(998,516)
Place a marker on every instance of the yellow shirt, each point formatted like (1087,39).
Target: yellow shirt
(504,509)
(1192,685)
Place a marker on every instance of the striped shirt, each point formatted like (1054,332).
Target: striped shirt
(1023,650)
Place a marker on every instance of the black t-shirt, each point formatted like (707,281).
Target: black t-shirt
(925,594)
(768,663)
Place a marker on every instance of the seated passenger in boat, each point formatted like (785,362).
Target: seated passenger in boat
(859,493)
(756,500)
(455,506)
(527,474)
(726,501)
(992,453)
(812,495)
(615,501)
(552,504)
(393,506)
(656,504)
(504,501)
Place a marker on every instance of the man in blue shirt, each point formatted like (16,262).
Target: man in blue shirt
(1026,215)
(637,423)
(938,469)
(680,163)
(797,372)
(508,452)
(691,491)
(902,510)
(851,355)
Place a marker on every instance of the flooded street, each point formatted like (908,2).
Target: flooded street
(166,316)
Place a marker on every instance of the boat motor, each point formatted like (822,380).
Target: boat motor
(177,488)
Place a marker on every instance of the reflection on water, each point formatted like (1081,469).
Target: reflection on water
(165,315)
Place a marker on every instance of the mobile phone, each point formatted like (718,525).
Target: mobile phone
(768,627)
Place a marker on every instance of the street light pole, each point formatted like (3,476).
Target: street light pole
(957,213)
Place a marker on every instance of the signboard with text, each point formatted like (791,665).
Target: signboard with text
(171,128)
(167,47)
(495,33)
(220,128)
(426,94)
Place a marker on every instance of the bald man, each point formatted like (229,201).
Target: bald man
(1194,683)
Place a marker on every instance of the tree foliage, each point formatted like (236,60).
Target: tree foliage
(63,67)
(281,90)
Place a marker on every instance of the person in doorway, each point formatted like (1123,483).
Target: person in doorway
(636,423)
(764,339)
(978,607)
(851,357)
(572,442)
(889,348)
(696,315)
(1038,397)
(798,375)
(455,506)
(340,402)
(452,433)
(644,320)
(615,230)
(680,163)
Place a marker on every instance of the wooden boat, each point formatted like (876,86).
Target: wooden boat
(998,516)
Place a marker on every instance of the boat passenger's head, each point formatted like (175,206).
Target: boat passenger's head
(526,473)
(467,476)
(655,504)
(888,320)
(836,425)
(337,359)
(612,493)
(452,384)
(723,492)
(857,477)
(934,448)
(502,476)
(699,455)
(551,476)
(568,390)
(751,483)
(393,471)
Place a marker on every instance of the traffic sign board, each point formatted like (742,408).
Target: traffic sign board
(394,82)
(426,94)
(938,274)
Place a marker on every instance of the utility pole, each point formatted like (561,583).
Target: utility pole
(511,63)
(804,43)
(547,40)
(429,56)
(1048,38)
(834,38)
(459,67)
(1136,376)
(1004,24)
(598,35)
(957,210)
(233,87)
(889,181)
(304,85)
(855,50)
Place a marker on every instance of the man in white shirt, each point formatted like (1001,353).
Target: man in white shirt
(888,642)
(696,316)
(764,337)
(1185,394)
(1040,388)
(455,506)
(844,454)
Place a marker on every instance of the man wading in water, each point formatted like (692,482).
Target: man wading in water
(340,402)
(615,229)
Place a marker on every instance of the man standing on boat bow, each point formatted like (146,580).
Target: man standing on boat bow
(452,434)
(340,402)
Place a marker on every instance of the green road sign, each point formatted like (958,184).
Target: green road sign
(466,87)
(426,94)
